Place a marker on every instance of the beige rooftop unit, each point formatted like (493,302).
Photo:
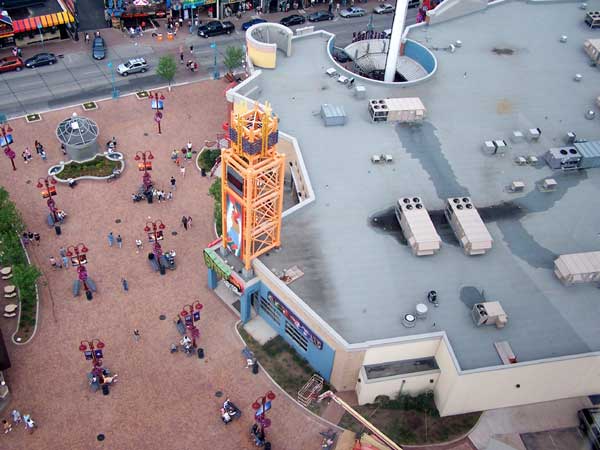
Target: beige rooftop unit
(592,48)
(417,226)
(578,268)
(467,225)
(489,313)
(409,109)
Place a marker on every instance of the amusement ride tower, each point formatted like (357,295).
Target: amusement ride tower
(252,183)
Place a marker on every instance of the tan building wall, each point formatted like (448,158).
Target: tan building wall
(400,351)
(368,390)
(538,382)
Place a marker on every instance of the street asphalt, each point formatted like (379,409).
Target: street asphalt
(78,78)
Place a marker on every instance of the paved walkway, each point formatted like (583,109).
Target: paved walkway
(162,400)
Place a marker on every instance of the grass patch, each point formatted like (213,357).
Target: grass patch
(97,167)
(29,118)
(141,95)
(283,363)
(412,420)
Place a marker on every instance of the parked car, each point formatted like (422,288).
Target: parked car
(589,424)
(98,48)
(340,55)
(248,24)
(215,28)
(414,3)
(132,66)
(294,19)
(353,11)
(41,59)
(320,16)
(386,8)
(11,63)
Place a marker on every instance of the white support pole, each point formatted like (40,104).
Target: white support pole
(395,39)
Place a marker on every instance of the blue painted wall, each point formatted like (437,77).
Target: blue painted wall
(320,359)
(420,54)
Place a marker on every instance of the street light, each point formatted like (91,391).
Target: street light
(190,315)
(261,405)
(49,191)
(145,166)
(155,230)
(216,73)
(115,91)
(156,103)
(80,251)
(92,350)
(5,129)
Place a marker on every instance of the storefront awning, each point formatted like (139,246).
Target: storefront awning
(50,20)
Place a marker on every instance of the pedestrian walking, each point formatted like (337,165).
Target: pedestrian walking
(170,196)
(189,220)
(43,154)
(136,335)
(125,284)
(180,326)
(6,425)
(173,183)
(87,38)
(111,239)
(37,237)
(65,261)
(119,241)
(191,46)
(181,54)
(138,245)
(62,252)
(29,423)
(16,416)
(184,221)
(38,147)
(53,263)
(182,171)
(190,27)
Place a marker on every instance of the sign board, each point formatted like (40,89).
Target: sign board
(88,355)
(155,106)
(259,412)
(4,142)
(196,315)
(98,354)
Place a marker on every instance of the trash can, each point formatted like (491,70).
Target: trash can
(267,446)
(255,367)
(200,353)
(57,230)
(88,295)
(159,37)
(105,389)
(203,172)
(169,36)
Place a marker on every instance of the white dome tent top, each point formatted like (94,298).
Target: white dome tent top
(77,131)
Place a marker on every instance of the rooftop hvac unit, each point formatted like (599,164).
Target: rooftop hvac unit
(417,226)
(467,226)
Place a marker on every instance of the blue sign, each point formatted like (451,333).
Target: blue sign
(98,354)
(160,104)
(189,320)
(3,142)
(196,316)
(260,410)
(88,355)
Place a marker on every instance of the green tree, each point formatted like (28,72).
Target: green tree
(233,58)
(24,278)
(208,157)
(167,68)
(215,192)
(10,219)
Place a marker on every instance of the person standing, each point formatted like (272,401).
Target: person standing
(170,196)
(174,183)
(65,261)
(136,335)
(16,416)
(119,241)
(43,154)
(182,171)
(138,245)
(6,425)
(189,221)
(62,252)
(125,284)
(191,46)
(87,38)
(37,237)
(29,423)
(184,221)
(111,239)
(181,54)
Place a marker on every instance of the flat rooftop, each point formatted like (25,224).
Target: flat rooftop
(509,75)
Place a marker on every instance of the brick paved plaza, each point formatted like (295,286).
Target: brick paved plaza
(162,400)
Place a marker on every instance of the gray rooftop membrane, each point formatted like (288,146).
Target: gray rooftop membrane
(360,278)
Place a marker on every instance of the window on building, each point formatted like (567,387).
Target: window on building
(269,308)
(292,332)
(408,366)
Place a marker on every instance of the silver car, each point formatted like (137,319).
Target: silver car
(132,66)
(353,11)
(386,8)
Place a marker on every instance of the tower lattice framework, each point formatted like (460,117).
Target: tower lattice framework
(252,183)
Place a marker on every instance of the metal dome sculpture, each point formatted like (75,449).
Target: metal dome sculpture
(79,135)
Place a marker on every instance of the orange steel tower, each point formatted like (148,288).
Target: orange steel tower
(252,183)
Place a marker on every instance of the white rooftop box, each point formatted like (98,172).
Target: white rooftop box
(417,226)
(578,267)
(467,225)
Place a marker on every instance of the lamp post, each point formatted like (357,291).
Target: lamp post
(115,91)
(216,73)
(5,129)
(145,166)
(190,315)
(80,251)
(156,230)
(49,191)
(92,350)
(157,104)
(261,405)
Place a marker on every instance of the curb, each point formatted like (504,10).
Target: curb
(305,410)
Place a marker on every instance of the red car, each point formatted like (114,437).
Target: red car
(11,63)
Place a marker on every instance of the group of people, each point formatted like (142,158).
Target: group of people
(62,261)
(161,196)
(39,149)
(16,419)
(186,221)
(28,237)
